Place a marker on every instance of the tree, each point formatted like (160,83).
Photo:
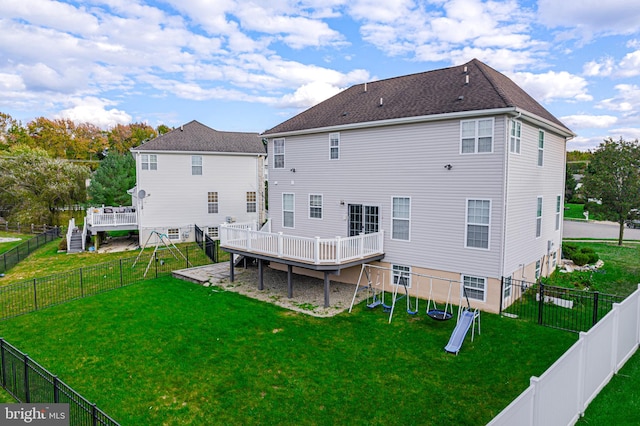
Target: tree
(33,185)
(115,175)
(122,138)
(613,178)
(569,186)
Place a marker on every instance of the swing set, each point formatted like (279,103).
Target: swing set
(376,277)
(164,239)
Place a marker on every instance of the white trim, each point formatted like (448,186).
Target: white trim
(193,164)
(512,122)
(559,207)
(400,218)
(466,223)
(173,151)
(394,273)
(334,136)
(284,150)
(476,136)
(321,207)
(539,203)
(484,288)
(540,150)
(293,211)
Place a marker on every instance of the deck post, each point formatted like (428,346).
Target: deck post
(338,249)
(289,281)
(231,265)
(326,289)
(260,275)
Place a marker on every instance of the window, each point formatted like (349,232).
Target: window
(288,203)
(537,274)
(334,146)
(507,287)
(251,202)
(539,218)
(401,275)
(514,136)
(315,206)
(478,221)
(212,202)
(476,136)
(213,232)
(474,287)
(400,218)
(149,161)
(173,233)
(558,210)
(278,153)
(540,148)
(196,165)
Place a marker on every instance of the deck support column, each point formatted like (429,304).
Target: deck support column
(260,275)
(289,281)
(326,289)
(231,265)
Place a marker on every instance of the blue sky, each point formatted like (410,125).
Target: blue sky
(239,65)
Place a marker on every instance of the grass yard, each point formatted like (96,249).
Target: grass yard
(167,351)
(574,211)
(4,247)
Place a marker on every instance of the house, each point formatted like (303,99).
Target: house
(459,169)
(195,175)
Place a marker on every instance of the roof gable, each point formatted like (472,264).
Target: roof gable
(470,87)
(196,137)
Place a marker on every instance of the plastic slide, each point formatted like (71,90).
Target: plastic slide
(459,333)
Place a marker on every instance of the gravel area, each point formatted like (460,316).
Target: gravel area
(308,293)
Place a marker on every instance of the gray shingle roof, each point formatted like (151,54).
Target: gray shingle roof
(196,137)
(428,93)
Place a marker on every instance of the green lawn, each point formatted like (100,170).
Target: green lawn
(573,211)
(171,352)
(4,247)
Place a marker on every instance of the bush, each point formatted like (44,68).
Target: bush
(579,256)
(62,246)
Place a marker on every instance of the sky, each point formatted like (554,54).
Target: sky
(242,65)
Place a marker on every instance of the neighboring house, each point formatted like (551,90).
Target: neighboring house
(459,169)
(195,175)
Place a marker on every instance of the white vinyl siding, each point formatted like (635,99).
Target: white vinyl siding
(288,210)
(196,165)
(515,135)
(540,148)
(474,287)
(278,153)
(539,217)
(400,218)
(476,136)
(149,161)
(251,202)
(478,224)
(212,202)
(401,275)
(315,206)
(334,146)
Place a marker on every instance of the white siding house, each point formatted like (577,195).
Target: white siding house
(429,161)
(195,175)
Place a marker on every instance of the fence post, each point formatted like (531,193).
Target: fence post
(94,414)
(3,363)
(155,258)
(121,279)
(56,390)
(27,393)
(595,307)
(35,293)
(502,295)
(187,257)
(540,303)
(81,286)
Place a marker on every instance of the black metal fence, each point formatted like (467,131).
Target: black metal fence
(210,246)
(11,258)
(557,307)
(29,382)
(31,295)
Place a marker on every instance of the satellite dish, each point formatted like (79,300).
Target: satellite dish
(142,193)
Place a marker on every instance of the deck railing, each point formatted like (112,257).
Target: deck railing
(309,250)
(111,216)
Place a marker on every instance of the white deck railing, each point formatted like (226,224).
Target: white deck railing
(111,216)
(317,251)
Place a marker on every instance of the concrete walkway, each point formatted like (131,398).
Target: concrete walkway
(205,275)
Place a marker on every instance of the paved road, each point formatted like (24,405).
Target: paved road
(593,229)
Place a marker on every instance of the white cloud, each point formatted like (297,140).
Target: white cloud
(308,95)
(630,65)
(93,110)
(602,68)
(626,101)
(589,121)
(551,86)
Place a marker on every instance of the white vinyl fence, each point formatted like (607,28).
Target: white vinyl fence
(561,395)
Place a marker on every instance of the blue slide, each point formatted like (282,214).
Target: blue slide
(459,333)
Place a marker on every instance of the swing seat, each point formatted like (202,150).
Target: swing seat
(439,315)
(375,304)
(410,312)
(386,308)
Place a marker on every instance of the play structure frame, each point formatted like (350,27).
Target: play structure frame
(160,238)
(376,286)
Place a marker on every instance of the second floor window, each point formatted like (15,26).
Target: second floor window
(278,153)
(149,161)
(251,202)
(540,148)
(334,146)
(196,164)
(515,132)
(476,136)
